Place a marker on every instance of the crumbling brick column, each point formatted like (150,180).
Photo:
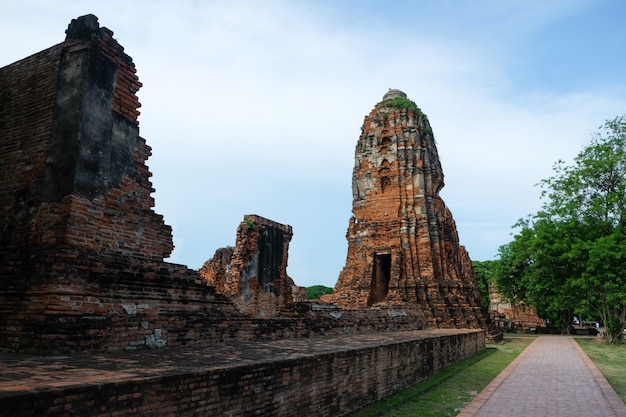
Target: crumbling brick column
(77,228)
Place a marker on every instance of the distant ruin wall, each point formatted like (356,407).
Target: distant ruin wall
(512,318)
(330,385)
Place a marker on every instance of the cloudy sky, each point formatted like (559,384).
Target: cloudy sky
(255,107)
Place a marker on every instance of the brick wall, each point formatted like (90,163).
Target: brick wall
(27,99)
(80,302)
(327,384)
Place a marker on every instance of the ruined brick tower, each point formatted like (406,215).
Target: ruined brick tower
(403,246)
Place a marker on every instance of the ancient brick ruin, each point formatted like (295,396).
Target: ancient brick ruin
(82,268)
(512,318)
(82,262)
(403,247)
(253,274)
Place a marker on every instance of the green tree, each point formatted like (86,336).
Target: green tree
(534,268)
(316,291)
(484,271)
(569,257)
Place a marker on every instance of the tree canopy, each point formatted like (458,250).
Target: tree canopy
(484,276)
(316,291)
(569,258)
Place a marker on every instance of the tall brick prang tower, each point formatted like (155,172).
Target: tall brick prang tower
(403,246)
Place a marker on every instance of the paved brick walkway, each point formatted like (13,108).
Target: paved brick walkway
(552,377)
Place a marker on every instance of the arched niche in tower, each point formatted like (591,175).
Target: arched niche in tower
(381,275)
(384,173)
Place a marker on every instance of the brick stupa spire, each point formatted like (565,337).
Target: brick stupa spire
(403,247)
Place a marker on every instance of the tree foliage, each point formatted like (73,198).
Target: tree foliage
(484,271)
(569,258)
(316,291)
(399,103)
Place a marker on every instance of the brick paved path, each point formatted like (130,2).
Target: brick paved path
(552,377)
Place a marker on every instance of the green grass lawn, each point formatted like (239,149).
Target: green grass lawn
(610,360)
(448,392)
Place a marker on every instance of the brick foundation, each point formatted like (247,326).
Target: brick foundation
(334,380)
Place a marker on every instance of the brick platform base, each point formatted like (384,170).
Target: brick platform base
(324,376)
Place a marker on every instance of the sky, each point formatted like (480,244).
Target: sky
(255,107)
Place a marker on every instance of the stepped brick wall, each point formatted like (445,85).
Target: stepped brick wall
(81,265)
(403,247)
(74,171)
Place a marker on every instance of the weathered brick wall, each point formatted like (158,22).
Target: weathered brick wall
(512,317)
(329,384)
(81,302)
(70,302)
(74,187)
(74,168)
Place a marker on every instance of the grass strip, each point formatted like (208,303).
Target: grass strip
(446,393)
(610,360)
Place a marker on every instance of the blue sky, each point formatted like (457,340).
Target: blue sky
(255,107)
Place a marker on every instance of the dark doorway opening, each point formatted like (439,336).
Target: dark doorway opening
(381,276)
